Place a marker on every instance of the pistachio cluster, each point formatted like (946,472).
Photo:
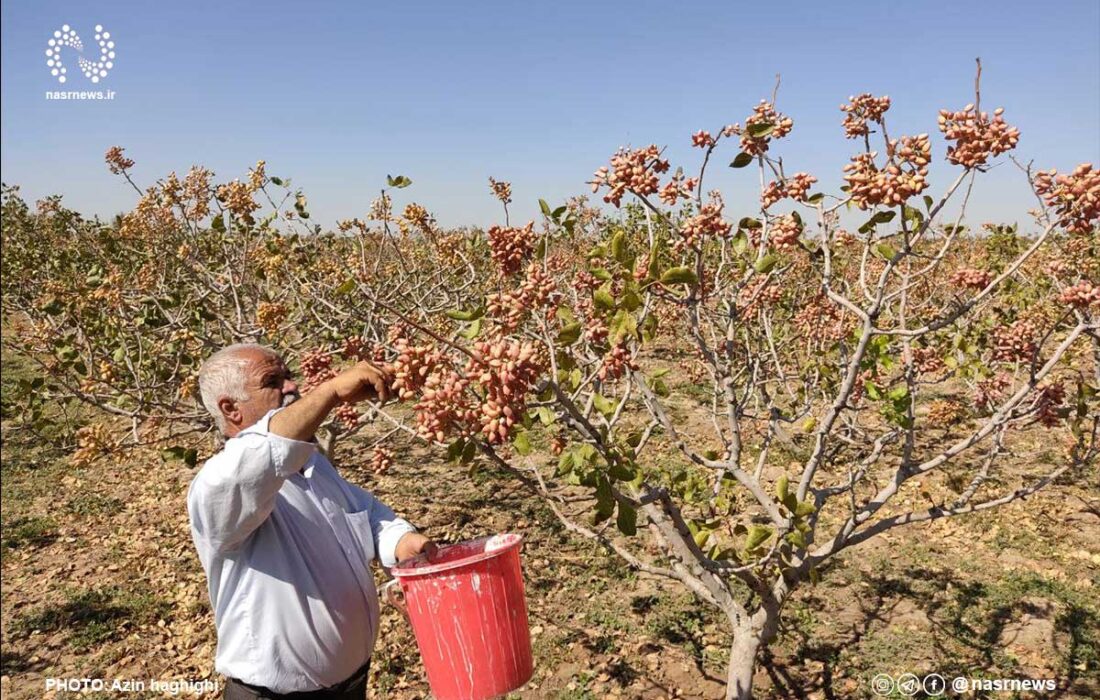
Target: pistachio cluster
(763,125)
(903,177)
(510,246)
(977,137)
(1081,295)
(631,171)
(1016,342)
(380,460)
(501,190)
(506,373)
(796,187)
(970,278)
(861,109)
(269,316)
(1075,197)
(708,223)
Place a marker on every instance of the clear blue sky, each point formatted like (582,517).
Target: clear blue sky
(337,95)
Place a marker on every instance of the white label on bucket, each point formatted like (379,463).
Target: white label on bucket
(497,542)
(476,582)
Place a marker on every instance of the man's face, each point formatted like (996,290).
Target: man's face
(268,384)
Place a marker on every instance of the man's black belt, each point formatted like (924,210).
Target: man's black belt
(354,688)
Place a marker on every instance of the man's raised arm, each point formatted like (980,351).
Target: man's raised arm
(300,420)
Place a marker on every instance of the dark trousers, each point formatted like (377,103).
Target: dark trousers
(354,688)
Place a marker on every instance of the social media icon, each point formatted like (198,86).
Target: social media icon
(882,684)
(908,684)
(960,685)
(934,684)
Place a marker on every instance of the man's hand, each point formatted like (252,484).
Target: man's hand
(300,420)
(363,382)
(412,544)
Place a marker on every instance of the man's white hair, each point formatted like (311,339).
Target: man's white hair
(222,376)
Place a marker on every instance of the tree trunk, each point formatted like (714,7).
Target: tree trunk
(746,642)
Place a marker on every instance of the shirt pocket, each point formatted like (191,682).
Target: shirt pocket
(362,534)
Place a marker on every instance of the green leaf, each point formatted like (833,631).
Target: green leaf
(741,160)
(701,536)
(575,378)
(928,202)
(804,508)
(797,539)
(623,325)
(556,214)
(739,242)
(618,248)
(621,472)
(766,263)
(472,330)
(468,451)
(649,328)
(601,274)
(188,455)
(760,129)
(545,209)
(545,415)
(679,275)
(654,270)
(398,182)
(603,299)
(815,198)
(460,315)
(884,217)
(586,454)
(898,393)
(565,463)
(522,443)
(790,501)
(885,251)
(630,300)
(660,388)
(276,181)
(218,223)
(569,334)
(627,520)
(913,215)
(603,404)
(454,450)
(347,287)
(758,535)
(781,487)
(605,501)
(748,223)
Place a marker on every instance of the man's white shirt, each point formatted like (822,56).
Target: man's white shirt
(286,544)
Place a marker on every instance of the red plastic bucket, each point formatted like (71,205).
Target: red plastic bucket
(467,608)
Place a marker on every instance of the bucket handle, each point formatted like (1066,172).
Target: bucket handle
(392,595)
